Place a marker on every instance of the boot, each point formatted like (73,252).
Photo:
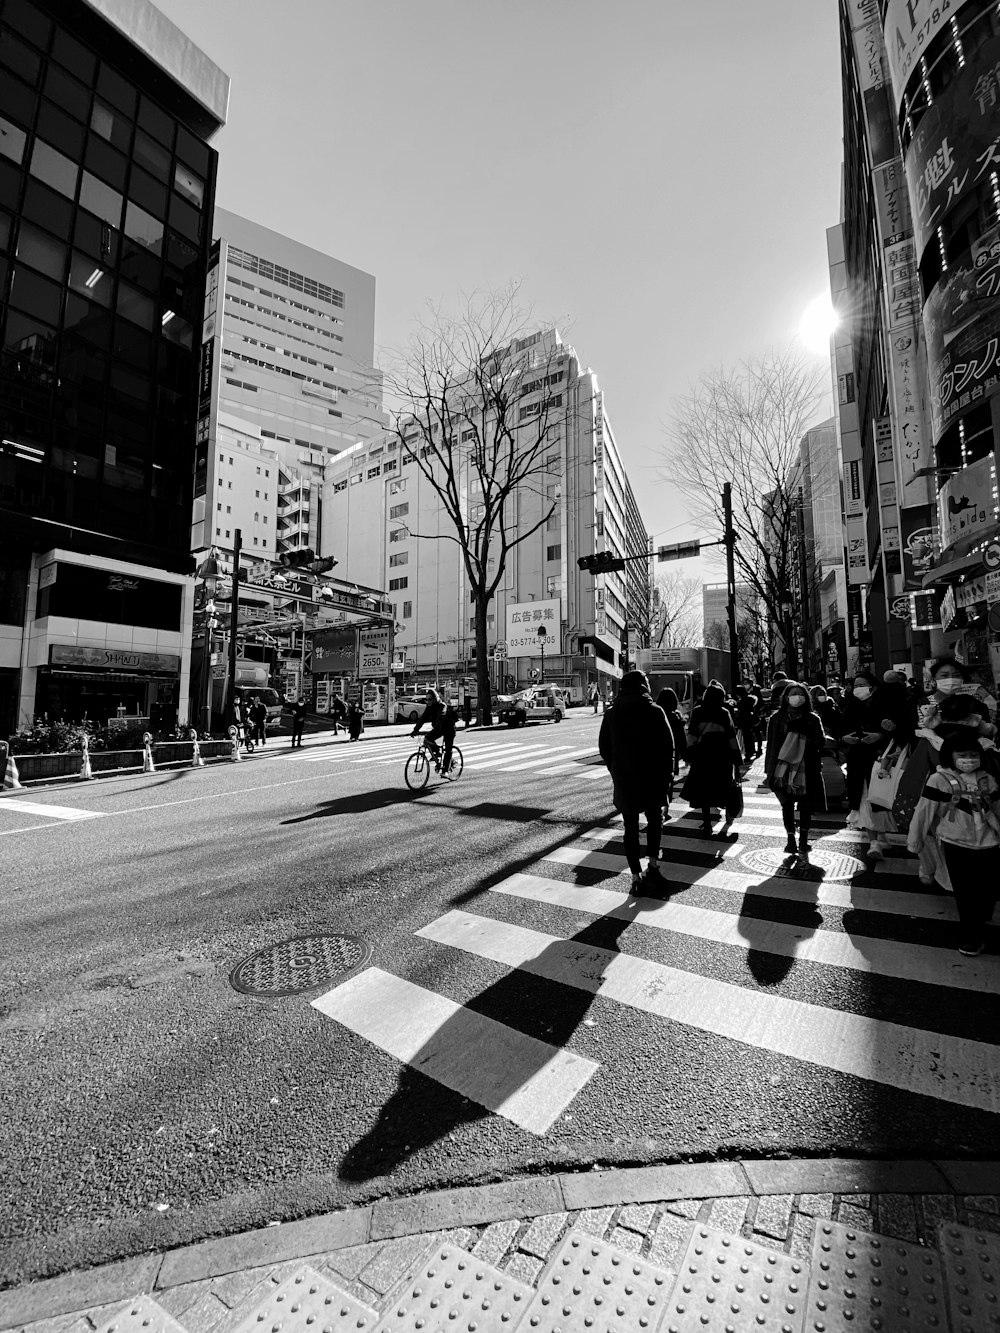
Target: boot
(804,845)
(790,847)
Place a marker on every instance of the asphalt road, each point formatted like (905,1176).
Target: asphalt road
(147,1103)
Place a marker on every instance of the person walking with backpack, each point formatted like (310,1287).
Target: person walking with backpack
(961,808)
(713,755)
(793,762)
(636,744)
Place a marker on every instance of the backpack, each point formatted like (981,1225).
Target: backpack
(450,715)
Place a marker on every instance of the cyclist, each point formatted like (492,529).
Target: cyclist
(443,719)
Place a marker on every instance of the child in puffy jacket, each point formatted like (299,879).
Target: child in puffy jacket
(960,806)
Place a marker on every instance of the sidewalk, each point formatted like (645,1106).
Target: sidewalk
(810,1246)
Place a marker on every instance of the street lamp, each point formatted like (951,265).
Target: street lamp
(542,633)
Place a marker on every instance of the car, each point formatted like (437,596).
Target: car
(540,703)
(410,707)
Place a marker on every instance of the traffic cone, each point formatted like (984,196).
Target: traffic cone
(85,771)
(11,781)
(196,759)
(147,753)
(234,737)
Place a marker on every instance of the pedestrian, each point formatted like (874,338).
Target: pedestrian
(745,713)
(338,711)
(595,697)
(793,762)
(827,712)
(713,757)
(877,721)
(668,701)
(467,710)
(258,715)
(636,744)
(246,724)
(298,722)
(961,807)
(355,720)
(949,676)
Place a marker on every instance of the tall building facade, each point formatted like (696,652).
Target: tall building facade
(384,522)
(288,382)
(918,373)
(107,183)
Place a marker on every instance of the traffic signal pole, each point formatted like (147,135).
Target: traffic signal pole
(729,537)
(234,616)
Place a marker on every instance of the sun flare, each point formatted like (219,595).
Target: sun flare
(819,319)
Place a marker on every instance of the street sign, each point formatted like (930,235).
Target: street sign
(991,555)
(499,651)
(679,550)
(373,654)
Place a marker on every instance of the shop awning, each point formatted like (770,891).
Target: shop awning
(960,565)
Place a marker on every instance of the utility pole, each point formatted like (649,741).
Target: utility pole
(234,616)
(729,539)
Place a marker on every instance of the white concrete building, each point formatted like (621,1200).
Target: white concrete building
(383,521)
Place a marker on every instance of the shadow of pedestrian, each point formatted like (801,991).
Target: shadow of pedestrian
(545,997)
(764,922)
(359,803)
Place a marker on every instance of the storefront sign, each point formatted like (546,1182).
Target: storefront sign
(112,659)
(967,502)
(903,287)
(335,652)
(962,320)
(524,619)
(857,551)
(892,206)
(854,505)
(970,592)
(910,26)
(47,576)
(374,649)
(947,608)
(921,545)
(992,586)
(923,611)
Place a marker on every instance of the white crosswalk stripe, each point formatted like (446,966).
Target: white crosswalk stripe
(65,813)
(724,904)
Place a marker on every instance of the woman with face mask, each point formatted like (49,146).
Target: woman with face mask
(861,735)
(793,762)
(827,711)
(961,808)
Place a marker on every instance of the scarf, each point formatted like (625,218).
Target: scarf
(790,772)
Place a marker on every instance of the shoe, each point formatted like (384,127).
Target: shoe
(876,852)
(926,880)
(971,946)
(804,846)
(790,846)
(637,881)
(705,830)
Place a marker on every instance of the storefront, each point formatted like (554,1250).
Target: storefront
(101,685)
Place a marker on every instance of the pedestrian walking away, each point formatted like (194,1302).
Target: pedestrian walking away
(961,806)
(713,756)
(793,763)
(443,720)
(355,721)
(637,746)
(668,701)
(298,722)
(595,697)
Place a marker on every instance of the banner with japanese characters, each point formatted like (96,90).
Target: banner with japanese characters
(910,27)
(967,501)
(962,326)
(524,620)
(955,147)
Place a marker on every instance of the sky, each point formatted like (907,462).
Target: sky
(657,174)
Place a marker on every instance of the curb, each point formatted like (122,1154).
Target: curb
(519,1199)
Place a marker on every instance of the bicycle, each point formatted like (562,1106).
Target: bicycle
(417,770)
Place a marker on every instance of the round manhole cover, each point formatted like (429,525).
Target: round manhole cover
(831,865)
(299,964)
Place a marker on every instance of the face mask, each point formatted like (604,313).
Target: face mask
(820,699)
(796,701)
(967,765)
(948,684)
(862,692)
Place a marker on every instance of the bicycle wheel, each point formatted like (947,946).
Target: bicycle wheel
(457,764)
(417,771)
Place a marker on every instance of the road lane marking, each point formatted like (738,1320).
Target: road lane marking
(831,948)
(65,812)
(519,1077)
(535,763)
(591,860)
(952,1069)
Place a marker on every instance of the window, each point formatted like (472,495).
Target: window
(218,532)
(400,558)
(373,472)
(355,478)
(399,511)
(101,200)
(256,518)
(398,534)
(54,169)
(11,140)
(229,509)
(407,610)
(552,585)
(257,493)
(491,621)
(189,185)
(265,520)
(339,486)
(219,507)
(255,541)
(553,552)
(396,486)
(477,512)
(389,465)
(396,584)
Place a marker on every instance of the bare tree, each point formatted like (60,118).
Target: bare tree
(476,406)
(744,425)
(675,611)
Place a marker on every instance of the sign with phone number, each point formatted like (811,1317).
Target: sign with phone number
(373,654)
(519,647)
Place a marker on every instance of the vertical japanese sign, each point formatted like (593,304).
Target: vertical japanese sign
(206,376)
(910,26)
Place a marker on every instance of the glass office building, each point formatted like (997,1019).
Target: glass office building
(107,187)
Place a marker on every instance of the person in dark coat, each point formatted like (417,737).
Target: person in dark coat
(298,722)
(355,720)
(874,718)
(827,711)
(668,701)
(637,746)
(745,716)
(793,762)
(713,754)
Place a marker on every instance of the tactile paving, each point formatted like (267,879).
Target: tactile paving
(865,1282)
(972,1274)
(308,1303)
(455,1291)
(731,1285)
(141,1313)
(592,1285)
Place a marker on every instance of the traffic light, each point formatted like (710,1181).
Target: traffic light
(306,559)
(603,562)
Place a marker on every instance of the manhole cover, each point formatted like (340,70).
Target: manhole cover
(299,964)
(822,864)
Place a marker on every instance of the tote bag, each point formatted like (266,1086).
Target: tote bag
(884,781)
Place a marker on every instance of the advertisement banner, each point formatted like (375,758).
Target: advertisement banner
(966,502)
(902,285)
(524,620)
(914,451)
(854,503)
(857,551)
(962,323)
(335,652)
(892,204)
(956,145)
(921,545)
(374,651)
(910,26)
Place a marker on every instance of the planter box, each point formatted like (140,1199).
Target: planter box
(37,767)
(110,761)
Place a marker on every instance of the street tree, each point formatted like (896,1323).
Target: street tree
(475,405)
(744,424)
(675,619)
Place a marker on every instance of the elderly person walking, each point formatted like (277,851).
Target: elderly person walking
(637,745)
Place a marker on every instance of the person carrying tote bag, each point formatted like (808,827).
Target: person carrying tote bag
(887,773)
(793,763)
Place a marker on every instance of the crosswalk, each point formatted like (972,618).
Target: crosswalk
(540,752)
(711,893)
